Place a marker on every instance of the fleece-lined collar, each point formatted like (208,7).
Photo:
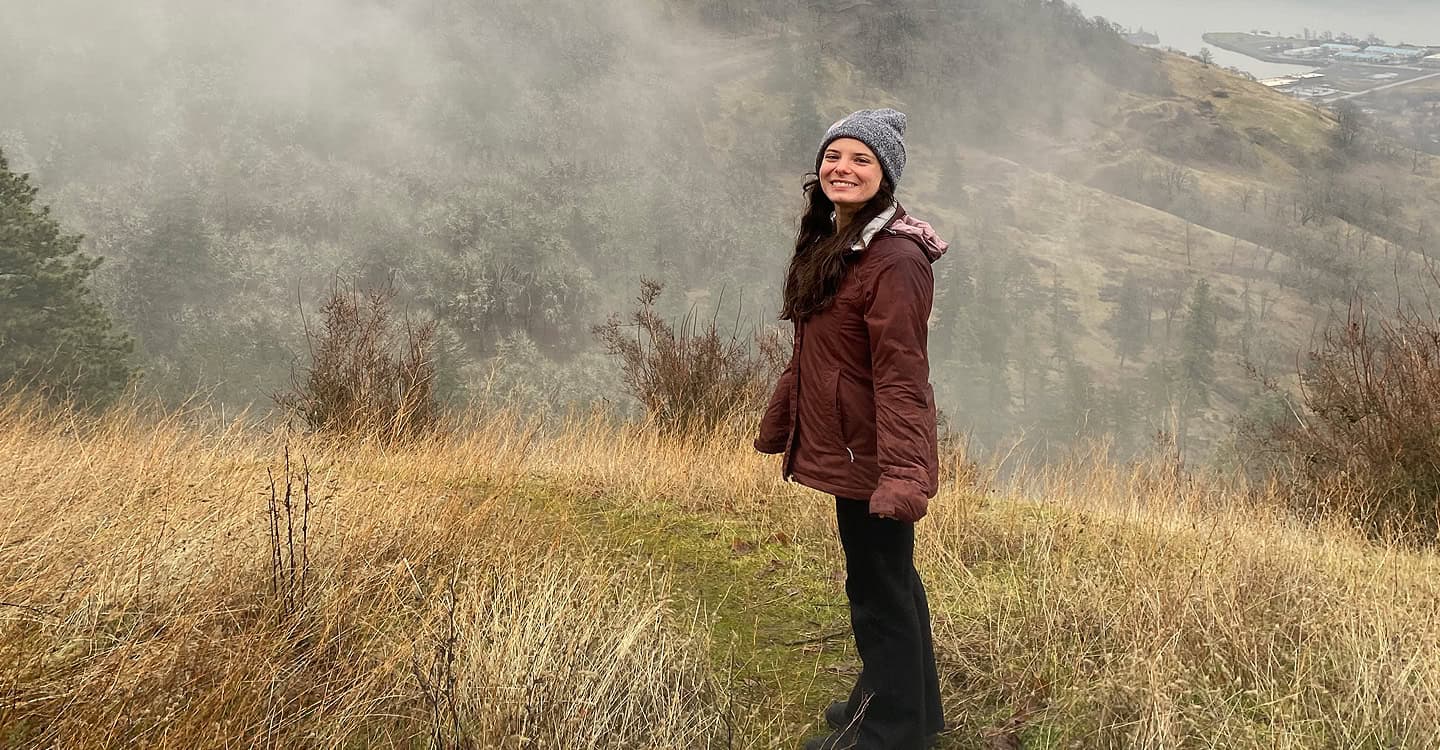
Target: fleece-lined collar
(873,228)
(875,225)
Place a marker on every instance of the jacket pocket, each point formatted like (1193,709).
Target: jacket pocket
(776,423)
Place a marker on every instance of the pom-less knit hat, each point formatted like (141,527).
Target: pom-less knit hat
(883,130)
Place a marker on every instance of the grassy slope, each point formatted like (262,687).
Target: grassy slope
(1062,221)
(612,588)
(1128,609)
(1095,236)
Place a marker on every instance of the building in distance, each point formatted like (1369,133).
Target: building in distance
(1401,53)
(1365,57)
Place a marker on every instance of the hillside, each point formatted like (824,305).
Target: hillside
(176,582)
(1223,180)
(516,173)
(1216,178)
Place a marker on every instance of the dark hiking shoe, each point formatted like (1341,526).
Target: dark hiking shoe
(842,740)
(838,718)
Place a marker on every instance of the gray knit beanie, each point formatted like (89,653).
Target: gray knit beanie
(883,130)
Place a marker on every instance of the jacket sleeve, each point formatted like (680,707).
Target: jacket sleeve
(775,425)
(897,316)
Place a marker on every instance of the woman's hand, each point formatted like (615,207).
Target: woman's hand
(898,500)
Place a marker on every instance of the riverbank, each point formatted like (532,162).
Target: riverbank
(1339,70)
(1322,52)
(1266,48)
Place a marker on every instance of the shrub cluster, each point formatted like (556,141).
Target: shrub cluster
(690,376)
(1366,442)
(363,379)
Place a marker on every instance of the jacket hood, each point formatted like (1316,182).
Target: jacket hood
(924,235)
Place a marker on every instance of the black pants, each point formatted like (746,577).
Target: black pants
(898,693)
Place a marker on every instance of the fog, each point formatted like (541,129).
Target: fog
(507,163)
(1180,23)
(516,166)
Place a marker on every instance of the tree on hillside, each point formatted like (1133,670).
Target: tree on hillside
(1350,124)
(1000,285)
(170,278)
(54,335)
(797,70)
(1063,318)
(1249,331)
(1197,354)
(1168,294)
(889,36)
(1129,320)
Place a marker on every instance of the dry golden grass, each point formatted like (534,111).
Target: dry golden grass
(589,584)
(138,604)
(1144,609)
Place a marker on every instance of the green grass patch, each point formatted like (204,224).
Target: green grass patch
(776,608)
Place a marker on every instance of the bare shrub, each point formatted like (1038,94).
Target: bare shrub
(1351,127)
(1365,442)
(362,379)
(289,516)
(690,376)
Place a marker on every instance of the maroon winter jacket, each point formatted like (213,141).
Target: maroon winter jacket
(854,412)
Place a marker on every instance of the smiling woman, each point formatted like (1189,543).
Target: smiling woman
(854,414)
(850,175)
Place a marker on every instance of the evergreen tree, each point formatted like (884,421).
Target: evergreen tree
(1129,319)
(1027,312)
(1249,330)
(1064,320)
(951,185)
(171,277)
(1058,390)
(1124,407)
(1197,356)
(796,71)
(54,335)
(996,281)
(952,338)
(1077,406)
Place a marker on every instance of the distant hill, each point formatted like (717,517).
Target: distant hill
(517,170)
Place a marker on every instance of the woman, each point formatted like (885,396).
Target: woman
(854,414)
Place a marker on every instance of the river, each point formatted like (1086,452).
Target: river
(1180,23)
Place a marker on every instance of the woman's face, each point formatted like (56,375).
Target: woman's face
(849,172)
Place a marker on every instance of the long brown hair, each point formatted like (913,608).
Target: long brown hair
(819,263)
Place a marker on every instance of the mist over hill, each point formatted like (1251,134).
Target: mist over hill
(1377,5)
(517,168)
